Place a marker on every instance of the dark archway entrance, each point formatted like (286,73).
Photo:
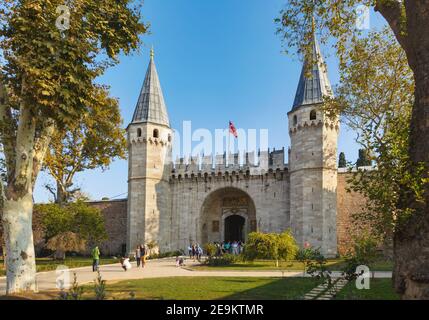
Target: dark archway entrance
(234,227)
(226,214)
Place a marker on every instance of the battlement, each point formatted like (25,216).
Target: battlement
(248,163)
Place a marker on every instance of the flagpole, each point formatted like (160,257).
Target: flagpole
(229,142)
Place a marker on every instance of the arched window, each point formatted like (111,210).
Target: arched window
(169,138)
(295,120)
(139,132)
(156,133)
(313,115)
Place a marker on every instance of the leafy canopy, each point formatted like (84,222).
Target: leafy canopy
(77,218)
(375,99)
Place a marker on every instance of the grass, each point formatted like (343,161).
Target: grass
(268,265)
(47,264)
(207,288)
(380,289)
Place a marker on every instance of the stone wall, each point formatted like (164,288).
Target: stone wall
(348,203)
(269,193)
(115,218)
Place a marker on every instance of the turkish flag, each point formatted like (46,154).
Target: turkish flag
(232,129)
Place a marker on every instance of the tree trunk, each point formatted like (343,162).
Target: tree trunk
(61,195)
(411,242)
(18,237)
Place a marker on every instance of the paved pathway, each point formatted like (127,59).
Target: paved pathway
(155,269)
(323,292)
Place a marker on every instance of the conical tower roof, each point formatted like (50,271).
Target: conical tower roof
(151,105)
(314,83)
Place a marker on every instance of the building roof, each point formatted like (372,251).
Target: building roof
(314,83)
(151,105)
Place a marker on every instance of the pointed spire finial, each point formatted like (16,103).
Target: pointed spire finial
(152,53)
(151,106)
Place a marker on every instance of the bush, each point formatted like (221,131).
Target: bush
(210,249)
(74,293)
(224,260)
(167,254)
(100,287)
(364,253)
(270,246)
(306,256)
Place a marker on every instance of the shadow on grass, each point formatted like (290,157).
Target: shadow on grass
(277,289)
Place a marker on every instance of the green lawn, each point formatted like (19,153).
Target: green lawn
(265,265)
(208,288)
(47,264)
(380,289)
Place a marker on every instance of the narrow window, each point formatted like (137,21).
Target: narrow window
(169,138)
(156,133)
(313,115)
(295,120)
(139,132)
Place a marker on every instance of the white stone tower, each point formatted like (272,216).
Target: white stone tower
(150,148)
(312,159)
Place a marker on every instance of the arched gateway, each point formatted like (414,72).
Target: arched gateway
(227,214)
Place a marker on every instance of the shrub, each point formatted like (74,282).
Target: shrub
(364,253)
(305,256)
(270,246)
(100,287)
(210,249)
(224,260)
(75,292)
(167,254)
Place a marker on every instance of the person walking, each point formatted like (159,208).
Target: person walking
(234,248)
(194,251)
(138,256)
(143,255)
(199,252)
(190,251)
(95,258)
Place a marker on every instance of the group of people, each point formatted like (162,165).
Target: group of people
(235,247)
(195,251)
(140,256)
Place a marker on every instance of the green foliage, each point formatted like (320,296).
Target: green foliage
(306,256)
(223,260)
(375,99)
(364,159)
(74,293)
(92,142)
(100,287)
(270,246)
(78,218)
(364,253)
(318,269)
(342,162)
(60,66)
(210,249)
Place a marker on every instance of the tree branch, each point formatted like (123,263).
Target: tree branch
(41,146)
(391,10)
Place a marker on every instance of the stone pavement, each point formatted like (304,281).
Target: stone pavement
(323,292)
(155,269)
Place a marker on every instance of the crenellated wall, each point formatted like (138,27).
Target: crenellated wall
(194,194)
(262,163)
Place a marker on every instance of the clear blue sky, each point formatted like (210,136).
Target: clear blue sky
(218,60)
